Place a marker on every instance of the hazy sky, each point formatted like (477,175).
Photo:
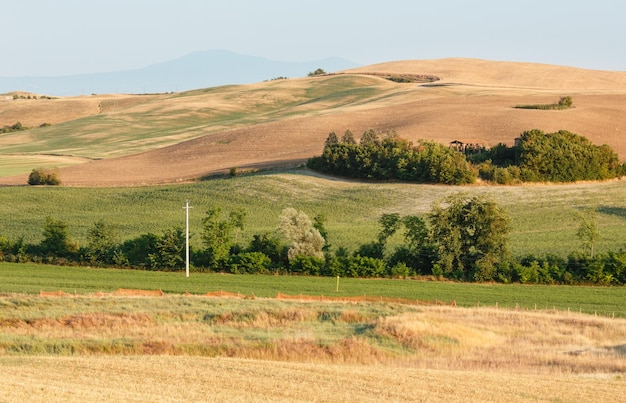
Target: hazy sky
(62,37)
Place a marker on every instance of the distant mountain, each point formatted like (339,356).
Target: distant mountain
(197,70)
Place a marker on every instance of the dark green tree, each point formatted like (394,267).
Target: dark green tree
(56,240)
(169,250)
(137,251)
(102,242)
(470,233)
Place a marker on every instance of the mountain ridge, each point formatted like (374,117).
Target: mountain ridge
(200,69)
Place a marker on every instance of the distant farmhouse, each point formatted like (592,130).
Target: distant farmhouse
(469,146)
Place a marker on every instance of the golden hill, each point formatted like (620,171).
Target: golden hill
(168,138)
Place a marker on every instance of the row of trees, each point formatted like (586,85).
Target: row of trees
(390,157)
(537,157)
(463,238)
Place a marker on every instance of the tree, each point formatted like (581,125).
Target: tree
(331,139)
(43,176)
(56,240)
(369,137)
(588,230)
(318,72)
(318,223)
(565,102)
(470,233)
(169,250)
(348,137)
(305,239)
(137,251)
(102,243)
(218,234)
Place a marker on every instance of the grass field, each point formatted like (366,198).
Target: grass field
(543,216)
(31,279)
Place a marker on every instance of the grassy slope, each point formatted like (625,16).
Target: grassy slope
(543,216)
(128,126)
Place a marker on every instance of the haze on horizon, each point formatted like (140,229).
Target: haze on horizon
(66,37)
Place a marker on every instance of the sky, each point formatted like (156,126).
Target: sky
(66,37)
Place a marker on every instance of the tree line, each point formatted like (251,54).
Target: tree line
(537,157)
(462,238)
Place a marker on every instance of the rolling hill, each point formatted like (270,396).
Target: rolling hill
(177,137)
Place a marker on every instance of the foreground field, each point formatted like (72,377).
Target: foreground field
(175,348)
(177,379)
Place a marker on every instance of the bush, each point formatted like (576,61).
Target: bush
(318,72)
(250,263)
(564,103)
(307,265)
(43,176)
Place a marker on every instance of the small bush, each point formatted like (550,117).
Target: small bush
(564,103)
(318,72)
(43,176)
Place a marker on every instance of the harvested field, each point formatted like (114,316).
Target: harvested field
(177,379)
(200,348)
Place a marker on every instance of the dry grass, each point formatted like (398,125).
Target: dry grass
(205,348)
(284,124)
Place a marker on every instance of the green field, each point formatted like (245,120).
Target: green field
(543,217)
(31,279)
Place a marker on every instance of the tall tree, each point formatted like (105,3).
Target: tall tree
(305,239)
(218,234)
(470,233)
(588,229)
(169,250)
(102,242)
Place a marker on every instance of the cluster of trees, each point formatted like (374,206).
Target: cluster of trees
(13,128)
(390,157)
(462,238)
(537,157)
(549,157)
(317,72)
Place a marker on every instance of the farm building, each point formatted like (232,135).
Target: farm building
(469,146)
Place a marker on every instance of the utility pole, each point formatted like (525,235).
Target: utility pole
(187,207)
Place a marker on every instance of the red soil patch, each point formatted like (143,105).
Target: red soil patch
(124,292)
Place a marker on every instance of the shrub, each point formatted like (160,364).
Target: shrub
(43,176)
(318,72)
(564,103)
(250,263)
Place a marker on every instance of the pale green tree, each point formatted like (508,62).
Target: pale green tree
(588,229)
(305,239)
